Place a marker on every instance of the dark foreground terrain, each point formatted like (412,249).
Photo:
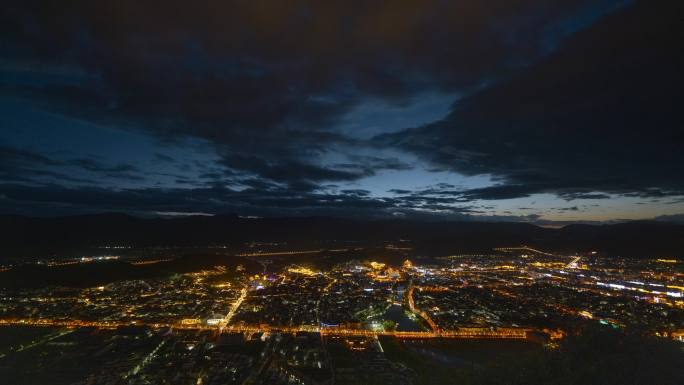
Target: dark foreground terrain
(22,236)
(601,356)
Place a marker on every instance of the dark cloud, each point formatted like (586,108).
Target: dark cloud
(163,158)
(289,170)
(96,166)
(375,163)
(601,116)
(356,192)
(572,195)
(264,82)
(55,199)
(22,165)
(399,191)
(550,100)
(13,156)
(498,192)
(459,194)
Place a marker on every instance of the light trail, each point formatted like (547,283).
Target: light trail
(331,282)
(524,248)
(460,333)
(235,306)
(265,254)
(151,262)
(44,340)
(422,314)
(145,361)
(573,263)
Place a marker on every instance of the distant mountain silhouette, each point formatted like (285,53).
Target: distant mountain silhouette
(22,236)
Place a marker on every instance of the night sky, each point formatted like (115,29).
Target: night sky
(524,110)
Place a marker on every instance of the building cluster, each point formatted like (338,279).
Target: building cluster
(294,324)
(201,297)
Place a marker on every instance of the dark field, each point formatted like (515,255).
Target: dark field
(441,361)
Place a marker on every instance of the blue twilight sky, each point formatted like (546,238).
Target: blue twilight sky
(535,111)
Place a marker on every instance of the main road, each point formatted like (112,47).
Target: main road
(462,333)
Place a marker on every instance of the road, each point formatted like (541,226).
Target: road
(462,333)
(235,306)
(422,314)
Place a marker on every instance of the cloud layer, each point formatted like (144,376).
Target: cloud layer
(600,116)
(574,98)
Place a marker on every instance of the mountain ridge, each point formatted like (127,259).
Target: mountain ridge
(23,236)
